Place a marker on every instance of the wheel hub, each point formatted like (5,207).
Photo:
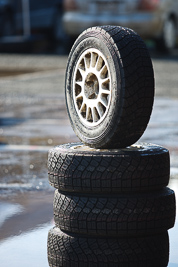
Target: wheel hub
(92,87)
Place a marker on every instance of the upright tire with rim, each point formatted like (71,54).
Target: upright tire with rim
(109,87)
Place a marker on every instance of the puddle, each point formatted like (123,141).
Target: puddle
(28,249)
(8,210)
(24,224)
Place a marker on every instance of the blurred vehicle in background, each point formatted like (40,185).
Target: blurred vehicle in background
(25,18)
(152,19)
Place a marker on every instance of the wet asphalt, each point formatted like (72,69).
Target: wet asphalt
(33,118)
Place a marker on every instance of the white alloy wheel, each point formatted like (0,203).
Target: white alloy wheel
(92,87)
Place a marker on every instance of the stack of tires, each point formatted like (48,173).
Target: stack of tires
(112,206)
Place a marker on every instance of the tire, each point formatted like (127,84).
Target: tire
(69,251)
(109,87)
(120,215)
(77,168)
(167,42)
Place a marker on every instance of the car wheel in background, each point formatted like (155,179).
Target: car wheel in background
(168,39)
(109,87)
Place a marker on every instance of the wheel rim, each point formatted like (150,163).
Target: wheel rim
(92,87)
(169,34)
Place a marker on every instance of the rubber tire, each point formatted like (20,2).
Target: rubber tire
(75,251)
(77,168)
(132,83)
(120,215)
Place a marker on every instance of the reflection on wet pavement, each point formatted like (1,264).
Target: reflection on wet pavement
(27,249)
(25,211)
(25,221)
(8,210)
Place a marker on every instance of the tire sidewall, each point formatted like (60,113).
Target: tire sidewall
(93,135)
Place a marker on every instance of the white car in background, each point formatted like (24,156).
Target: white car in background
(152,19)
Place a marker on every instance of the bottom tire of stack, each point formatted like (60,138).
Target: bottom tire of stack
(115,215)
(72,250)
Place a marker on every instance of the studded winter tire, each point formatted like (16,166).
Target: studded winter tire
(78,168)
(109,87)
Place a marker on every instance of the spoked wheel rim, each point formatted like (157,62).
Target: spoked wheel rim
(92,87)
